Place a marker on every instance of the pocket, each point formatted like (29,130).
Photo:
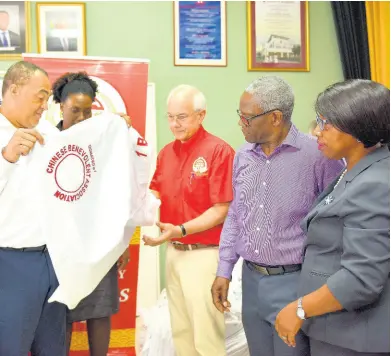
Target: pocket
(196,193)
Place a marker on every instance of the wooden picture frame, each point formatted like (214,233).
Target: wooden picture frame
(61,28)
(15,22)
(278,36)
(200,33)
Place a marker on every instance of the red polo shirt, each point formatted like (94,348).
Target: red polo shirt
(191,177)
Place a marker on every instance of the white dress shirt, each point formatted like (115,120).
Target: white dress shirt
(19,222)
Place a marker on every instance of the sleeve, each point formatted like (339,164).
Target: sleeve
(220,175)
(326,172)
(228,239)
(6,169)
(144,204)
(155,182)
(365,262)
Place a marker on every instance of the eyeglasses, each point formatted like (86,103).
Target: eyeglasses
(179,117)
(246,120)
(321,123)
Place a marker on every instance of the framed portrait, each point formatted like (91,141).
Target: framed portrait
(278,36)
(15,29)
(200,33)
(61,28)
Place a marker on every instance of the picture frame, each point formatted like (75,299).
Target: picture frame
(278,36)
(200,33)
(61,28)
(15,27)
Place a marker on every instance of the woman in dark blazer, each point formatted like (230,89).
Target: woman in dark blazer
(344,289)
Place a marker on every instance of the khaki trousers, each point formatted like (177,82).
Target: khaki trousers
(198,328)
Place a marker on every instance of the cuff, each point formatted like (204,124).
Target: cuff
(6,168)
(225,269)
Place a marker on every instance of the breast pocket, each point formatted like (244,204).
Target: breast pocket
(196,193)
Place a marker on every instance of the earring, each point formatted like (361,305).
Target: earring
(358,140)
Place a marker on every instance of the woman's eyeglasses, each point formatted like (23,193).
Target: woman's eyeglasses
(246,120)
(321,123)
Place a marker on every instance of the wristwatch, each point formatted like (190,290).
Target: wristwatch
(300,311)
(184,232)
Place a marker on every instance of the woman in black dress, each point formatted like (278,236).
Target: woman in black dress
(76,92)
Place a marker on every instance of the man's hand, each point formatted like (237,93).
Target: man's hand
(220,294)
(21,143)
(126,118)
(123,260)
(169,231)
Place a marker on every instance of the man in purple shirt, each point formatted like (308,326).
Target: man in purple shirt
(277,176)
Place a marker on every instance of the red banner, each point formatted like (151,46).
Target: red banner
(122,87)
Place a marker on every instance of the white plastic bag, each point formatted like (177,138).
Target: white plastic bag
(155,337)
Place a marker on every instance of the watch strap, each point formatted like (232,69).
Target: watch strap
(184,232)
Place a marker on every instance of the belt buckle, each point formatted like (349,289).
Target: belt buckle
(263,270)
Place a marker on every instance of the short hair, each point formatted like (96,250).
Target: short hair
(273,93)
(60,83)
(358,107)
(199,100)
(19,74)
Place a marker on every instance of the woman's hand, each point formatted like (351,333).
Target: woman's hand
(288,324)
(126,118)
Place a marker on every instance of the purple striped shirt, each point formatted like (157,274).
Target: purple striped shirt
(272,194)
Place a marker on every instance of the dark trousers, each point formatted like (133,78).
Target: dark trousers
(27,321)
(319,348)
(263,298)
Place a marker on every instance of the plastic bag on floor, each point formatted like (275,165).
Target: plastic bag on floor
(155,338)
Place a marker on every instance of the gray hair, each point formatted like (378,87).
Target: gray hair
(273,93)
(199,101)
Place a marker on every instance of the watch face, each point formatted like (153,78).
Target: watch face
(301,313)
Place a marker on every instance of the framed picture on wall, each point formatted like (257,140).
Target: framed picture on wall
(200,33)
(61,28)
(15,29)
(278,36)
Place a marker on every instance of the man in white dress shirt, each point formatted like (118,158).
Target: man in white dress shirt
(7,38)
(27,279)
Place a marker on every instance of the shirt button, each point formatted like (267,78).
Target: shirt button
(258,229)
(261,206)
(256,251)
(264,183)
(267,161)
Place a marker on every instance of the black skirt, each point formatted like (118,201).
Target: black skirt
(102,302)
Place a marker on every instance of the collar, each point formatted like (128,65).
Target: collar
(371,158)
(5,123)
(180,146)
(290,140)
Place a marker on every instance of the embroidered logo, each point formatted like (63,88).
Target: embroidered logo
(200,166)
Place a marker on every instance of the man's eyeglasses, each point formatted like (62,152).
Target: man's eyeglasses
(246,120)
(179,117)
(321,123)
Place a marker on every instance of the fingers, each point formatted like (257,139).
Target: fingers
(126,118)
(291,340)
(37,136)
(216,300)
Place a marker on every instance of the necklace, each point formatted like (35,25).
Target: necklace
(340,178)
(329,199)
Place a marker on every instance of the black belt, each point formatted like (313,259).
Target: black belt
(274,270)
(42,248)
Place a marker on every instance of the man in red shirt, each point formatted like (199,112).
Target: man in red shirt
(193,180)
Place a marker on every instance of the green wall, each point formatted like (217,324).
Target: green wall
(145,30)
